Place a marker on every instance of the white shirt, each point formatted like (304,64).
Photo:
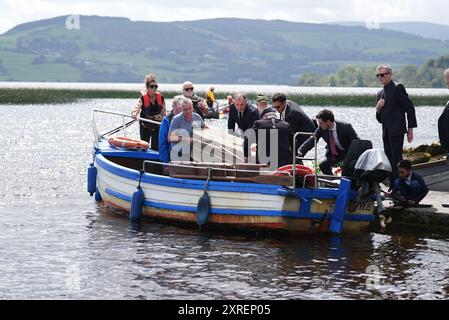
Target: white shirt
(408,181)
(334,132)
(283,113)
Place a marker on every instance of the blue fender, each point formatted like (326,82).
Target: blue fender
(91,179)
(203,209)
(137,206)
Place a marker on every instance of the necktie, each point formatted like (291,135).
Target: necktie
(332,146)
(240,116)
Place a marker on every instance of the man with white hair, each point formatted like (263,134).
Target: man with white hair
(268,125)
(181,130)
(199,106)
(393,103)
(164,144)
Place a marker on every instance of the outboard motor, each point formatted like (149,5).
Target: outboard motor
(371,169)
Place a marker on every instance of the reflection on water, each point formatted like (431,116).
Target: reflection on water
(56,242)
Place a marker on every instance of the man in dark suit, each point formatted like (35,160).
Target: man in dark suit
(393,103)
(292,113)
(443,121)
(268,125)
(409,188)
(244,115)
(338,137)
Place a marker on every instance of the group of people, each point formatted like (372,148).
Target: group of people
(394,110)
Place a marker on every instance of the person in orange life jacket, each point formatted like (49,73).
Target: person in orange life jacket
(337,135)
(199,105)
(150,105)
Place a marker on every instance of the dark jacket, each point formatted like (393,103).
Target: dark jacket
(416,192)
(284,141)
(196,108)
(345,132)
(299,121)
(443,128)
(392,115)
(250,115)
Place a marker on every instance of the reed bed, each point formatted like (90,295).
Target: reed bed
(59,96)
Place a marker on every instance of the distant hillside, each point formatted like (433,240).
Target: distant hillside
(208,51)
(422,29)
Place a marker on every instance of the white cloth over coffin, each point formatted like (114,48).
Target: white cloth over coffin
(372,160)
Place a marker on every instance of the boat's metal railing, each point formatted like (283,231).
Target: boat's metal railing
(122,127)
(303,158)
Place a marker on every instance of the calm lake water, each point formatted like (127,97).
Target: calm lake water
(57,242)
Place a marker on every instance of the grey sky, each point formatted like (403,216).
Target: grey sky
(13,12)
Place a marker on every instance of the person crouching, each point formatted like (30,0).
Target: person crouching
(409,188)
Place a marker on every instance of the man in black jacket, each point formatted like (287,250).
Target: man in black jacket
(443,121)
(269,124)
(338,137)
(393,103)
(409,188)
(244,115)
(292,113)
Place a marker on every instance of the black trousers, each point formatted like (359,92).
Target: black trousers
(393,146)
(328,163)
(148,133)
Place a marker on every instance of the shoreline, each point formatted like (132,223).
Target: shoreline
(22,96)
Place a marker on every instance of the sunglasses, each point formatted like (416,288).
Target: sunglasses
(188,89)
(381,75)
(152,86)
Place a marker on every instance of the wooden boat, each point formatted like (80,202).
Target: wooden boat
(240,198)
(435,174)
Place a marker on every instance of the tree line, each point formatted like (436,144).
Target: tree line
(428,75)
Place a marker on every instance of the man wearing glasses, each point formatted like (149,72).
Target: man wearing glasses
(150,105)
(393,103)
(297,119)
(199,105)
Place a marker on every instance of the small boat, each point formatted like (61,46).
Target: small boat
(435,174)
(238,197)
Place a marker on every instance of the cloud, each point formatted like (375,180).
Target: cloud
(14,12)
